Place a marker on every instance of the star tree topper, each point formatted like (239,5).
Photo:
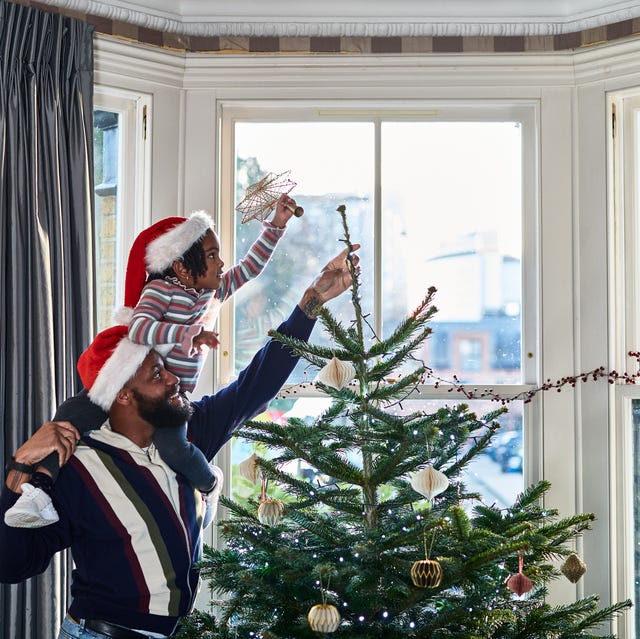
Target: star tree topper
(261,197)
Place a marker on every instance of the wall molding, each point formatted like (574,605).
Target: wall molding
(340,76)
(356,19)
(119,21)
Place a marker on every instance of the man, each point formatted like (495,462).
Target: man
(134,527)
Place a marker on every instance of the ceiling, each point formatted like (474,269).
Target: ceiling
(361,17)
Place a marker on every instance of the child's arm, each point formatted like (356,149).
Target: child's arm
(147,325)
(252,264)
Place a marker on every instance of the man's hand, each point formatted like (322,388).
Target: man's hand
(334,279)
(61,437)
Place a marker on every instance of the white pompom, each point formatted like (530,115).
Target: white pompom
(122,316)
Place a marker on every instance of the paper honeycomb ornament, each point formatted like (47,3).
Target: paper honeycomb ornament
(270,512)
(429,482)
(249,468)
(573,568)
(324,618)
(336,374)
(519,583)
(426,573)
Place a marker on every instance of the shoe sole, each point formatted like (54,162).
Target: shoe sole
(28,522)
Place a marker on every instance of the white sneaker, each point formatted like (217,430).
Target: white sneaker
(32,510)
(211,498)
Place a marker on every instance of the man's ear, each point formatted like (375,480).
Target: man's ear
(125,396)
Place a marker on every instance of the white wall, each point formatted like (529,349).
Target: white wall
(569,437)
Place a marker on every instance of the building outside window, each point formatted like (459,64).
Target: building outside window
(106,140)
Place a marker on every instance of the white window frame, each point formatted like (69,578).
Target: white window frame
(624,221)
(525,111)
(134,168)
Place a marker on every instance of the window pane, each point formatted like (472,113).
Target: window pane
(496,474)
(332,164)
(452,218)
(106,140)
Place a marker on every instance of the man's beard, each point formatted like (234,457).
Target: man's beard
(162,414)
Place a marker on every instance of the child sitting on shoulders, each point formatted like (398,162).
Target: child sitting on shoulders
(175,285)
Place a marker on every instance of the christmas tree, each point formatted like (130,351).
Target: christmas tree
(391,543)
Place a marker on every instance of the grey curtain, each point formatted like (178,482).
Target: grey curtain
(46,201)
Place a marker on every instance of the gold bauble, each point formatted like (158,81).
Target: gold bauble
(573,568)
(426,573)
(429,482)
(324,618)
(336,374)
(270,512)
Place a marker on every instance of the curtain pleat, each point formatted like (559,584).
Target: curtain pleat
(46,254)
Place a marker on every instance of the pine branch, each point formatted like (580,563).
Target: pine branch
(313,353)
(339,334)
(399,355)
(396,390)
(407,327)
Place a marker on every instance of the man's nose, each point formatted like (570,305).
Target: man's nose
(171,379)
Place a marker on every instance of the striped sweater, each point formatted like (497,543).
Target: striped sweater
(133,524)
(169,315)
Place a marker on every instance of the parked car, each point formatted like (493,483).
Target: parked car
(500,443)
(512,456)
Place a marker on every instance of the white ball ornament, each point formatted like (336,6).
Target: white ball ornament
(324,618)
(429,482)
(336,374)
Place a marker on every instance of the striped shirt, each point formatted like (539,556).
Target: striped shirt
(170,315)
(133,524)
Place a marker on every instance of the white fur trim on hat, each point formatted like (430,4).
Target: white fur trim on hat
(162,252)
(123,316)
(117,371)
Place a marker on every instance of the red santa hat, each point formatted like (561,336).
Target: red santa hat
(155,250)
(109,362)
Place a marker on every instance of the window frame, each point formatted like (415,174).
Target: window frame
(134,169)
(623,135)
(524,111)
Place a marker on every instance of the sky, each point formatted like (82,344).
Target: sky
(443,179)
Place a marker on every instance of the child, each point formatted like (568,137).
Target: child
(177,305)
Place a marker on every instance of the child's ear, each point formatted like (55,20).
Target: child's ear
(180,269)
(183,273)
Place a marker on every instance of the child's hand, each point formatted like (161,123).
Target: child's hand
(206,338)
(284,210)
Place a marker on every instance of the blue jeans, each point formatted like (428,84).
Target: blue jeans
(72,630)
